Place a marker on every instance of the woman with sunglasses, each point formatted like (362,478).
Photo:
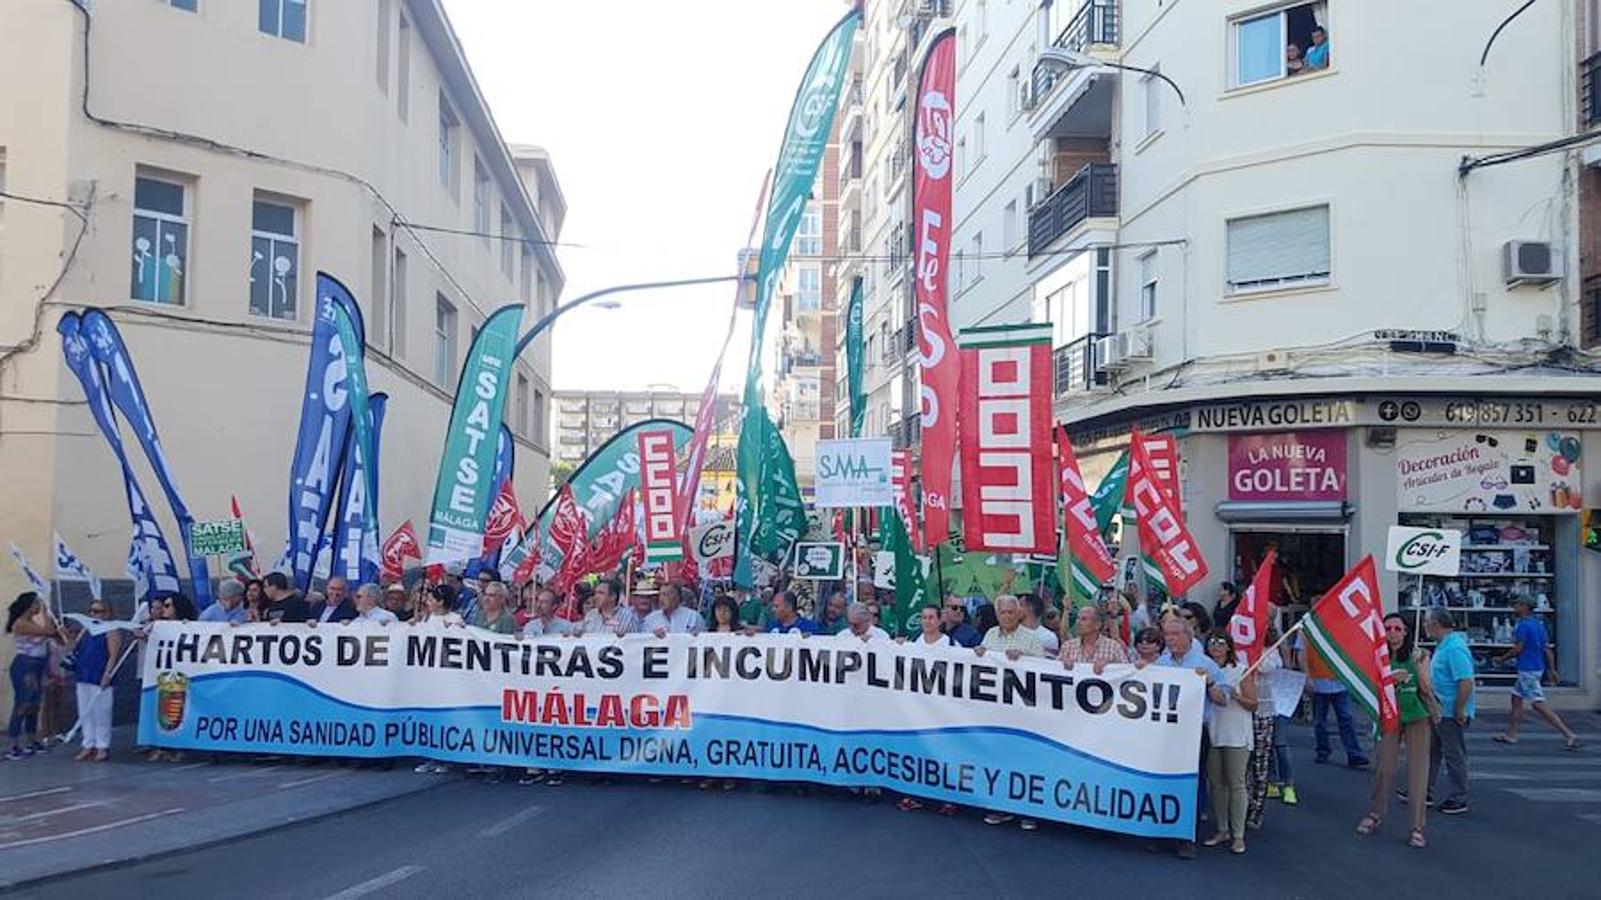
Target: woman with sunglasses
(93,656)
(1147,646)
(1414,693)
(29,623)
(1231,732)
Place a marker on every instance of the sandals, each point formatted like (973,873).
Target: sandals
(1238,846)
(1571,743)
(907,804)
(1369,824)
(1416,839)
(1504,739)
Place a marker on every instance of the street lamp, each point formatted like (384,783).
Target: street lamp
(550,317)
(1077,59)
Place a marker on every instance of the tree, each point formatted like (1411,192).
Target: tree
(560,471)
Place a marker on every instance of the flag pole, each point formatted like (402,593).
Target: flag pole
(1282,638)
(77,724)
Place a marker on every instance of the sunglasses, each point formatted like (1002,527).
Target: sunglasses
(1147,641)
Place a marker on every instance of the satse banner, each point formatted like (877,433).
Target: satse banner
(1114,751)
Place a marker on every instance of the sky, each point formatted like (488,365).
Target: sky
(661,120)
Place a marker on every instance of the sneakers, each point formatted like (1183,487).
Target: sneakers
(1288,795)
(1358,763)
(1272,790)
(18,753)
(1028,824)
(1452,808)
(532,776)
(998,818)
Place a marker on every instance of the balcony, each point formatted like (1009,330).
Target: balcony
(1066,101)
(1077,369)
(906,338)
(1590,90)
(1089,194)
(907,432)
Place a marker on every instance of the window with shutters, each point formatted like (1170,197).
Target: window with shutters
(1278,250)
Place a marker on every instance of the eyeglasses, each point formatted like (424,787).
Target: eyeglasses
(1188,616)
(1147,641)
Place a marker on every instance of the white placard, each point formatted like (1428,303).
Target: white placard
(1423,551)
(1286,685)
(854,472)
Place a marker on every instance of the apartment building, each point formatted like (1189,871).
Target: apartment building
(190,167)
(1325,256)
(583,421)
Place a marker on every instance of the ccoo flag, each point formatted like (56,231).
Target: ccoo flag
(811,119)
(1088,564)
(1346,629)
(465,488)
(1164,538)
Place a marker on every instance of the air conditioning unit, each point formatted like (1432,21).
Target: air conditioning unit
(1109,353)
(1119,351)
(1530,262)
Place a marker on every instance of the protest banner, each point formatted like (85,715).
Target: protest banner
(217,537)
(820,561)
(1115,751)
(853,473)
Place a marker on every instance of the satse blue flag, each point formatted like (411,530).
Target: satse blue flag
(355,542)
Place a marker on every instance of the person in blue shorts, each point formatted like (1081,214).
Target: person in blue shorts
(1536,667)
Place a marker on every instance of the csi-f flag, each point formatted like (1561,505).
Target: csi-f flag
(70,567)
(325,420)
(465,487)
(811,119)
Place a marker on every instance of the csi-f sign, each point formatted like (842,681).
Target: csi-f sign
(659,496)
(1423,551)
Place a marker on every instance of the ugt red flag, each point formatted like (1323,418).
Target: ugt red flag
(399,547)
(1248,627)
(1163,535)
(1346,627)
(1008,501)
(931,220)
(1092,564)
(504,518)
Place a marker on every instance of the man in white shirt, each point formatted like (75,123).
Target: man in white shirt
(369,607)
(861,627)
(545,621)
(1033,610)
(672,617)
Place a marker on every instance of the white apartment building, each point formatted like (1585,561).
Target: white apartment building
(1281,258)
(256,142)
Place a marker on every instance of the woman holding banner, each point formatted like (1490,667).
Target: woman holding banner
(1414,694)
(1231,744)
(29,623)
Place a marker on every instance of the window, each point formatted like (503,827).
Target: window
(444,342)
(519,422)
(959,264)
(1014,91)
(1151,88)
(397,306)
(378,290)
(978,139)
(274,259)
(540,417)
(978,255)
(282,18)
(188,5)
(1279,44)
(525,283)
(1148,285)
(809,236)
(980,13)
(1279,249)
(961,157)
(160,240)
(480,200)
(384,9)
(448,126)
(809,295)
(1009,227)
(403,68)
(508,244)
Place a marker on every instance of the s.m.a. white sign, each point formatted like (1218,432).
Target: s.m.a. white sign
(854,472)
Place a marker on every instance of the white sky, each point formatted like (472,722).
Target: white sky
(661,119)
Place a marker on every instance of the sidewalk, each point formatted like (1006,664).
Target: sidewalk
(59,816)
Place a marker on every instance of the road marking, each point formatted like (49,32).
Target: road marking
(198,765)
(45,792)
(93,830)
(1541,776)
(1558,795)
(243,774)
(1591,817)
(311,780)
(56,812)
(376,884)
(1566,760)
(510,822)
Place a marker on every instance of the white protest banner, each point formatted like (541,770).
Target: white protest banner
(854,473)
(820,561)
(1423,551)
(1115,751)
(1286,685)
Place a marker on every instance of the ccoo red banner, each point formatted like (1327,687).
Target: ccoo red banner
(664,524)
(932,161)
(1163,535)
(1008,494)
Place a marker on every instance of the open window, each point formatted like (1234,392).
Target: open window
(1281,42)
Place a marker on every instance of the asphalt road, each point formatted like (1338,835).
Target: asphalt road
(1532,831)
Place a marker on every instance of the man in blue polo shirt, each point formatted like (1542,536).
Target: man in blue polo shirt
(785,619)
(1185,652)
(1452,671)
(1536,664)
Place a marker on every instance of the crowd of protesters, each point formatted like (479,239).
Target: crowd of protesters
(1243,755)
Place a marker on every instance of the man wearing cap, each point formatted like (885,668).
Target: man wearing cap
(230,605)
(396,601)
(1536,665)
(643,600)
(369,607)
(860,625)
(672,617)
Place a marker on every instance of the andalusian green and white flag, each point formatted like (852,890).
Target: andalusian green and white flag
(854,353)
(785,520)
(465,488)
(811,119)
(910,591)
(1107,499)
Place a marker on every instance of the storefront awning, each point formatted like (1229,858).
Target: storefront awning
(1285,511)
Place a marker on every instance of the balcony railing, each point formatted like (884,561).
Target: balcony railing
(906,337)
(1590,89)
(1077,369)
(907,432)
(1092,192)
(1095,23)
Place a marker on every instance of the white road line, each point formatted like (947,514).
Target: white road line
(1591,817)
(1558,795)
(46,791)
(198,765)
(1565,760)
(311,780)
(246,773)
(56,812)
(94,830)
(376,884)
(510,822)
